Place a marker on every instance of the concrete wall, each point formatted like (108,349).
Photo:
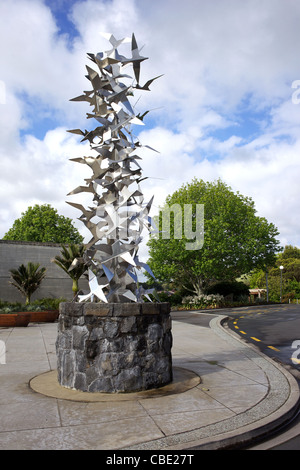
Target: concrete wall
(56,283)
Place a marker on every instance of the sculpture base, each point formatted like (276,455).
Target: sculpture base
(117,347)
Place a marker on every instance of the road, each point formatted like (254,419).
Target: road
(275,330)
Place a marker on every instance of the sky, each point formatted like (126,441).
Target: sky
(227,105)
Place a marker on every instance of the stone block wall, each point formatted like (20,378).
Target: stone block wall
(114,347)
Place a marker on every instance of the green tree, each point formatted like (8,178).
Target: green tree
(236,240)
(290,260)
(42,223)
(27,279)
(290,252)
(71,261)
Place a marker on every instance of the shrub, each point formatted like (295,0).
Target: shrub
(47,303)
(225,288)
(287,297)
(203,301)
(174,298)
(35,306)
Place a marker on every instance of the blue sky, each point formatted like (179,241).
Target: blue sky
(222,109)
(60,9)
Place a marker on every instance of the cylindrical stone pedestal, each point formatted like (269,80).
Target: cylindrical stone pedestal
(117,347)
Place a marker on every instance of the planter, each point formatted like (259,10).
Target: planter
(43,316)
(14,319)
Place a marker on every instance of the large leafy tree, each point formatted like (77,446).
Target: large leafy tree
(289,252)
(42,223)
(236,240)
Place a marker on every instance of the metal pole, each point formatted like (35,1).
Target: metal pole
(281,268)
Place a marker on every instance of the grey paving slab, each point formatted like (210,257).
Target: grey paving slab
(169,423)
(111,435)
(33,414)
(76,413)
(241,394)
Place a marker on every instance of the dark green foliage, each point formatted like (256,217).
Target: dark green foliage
(174,298)
(289,282)
(27,279)
(43,224)
(234,288)
(236,240)
(71,261)
(34,306)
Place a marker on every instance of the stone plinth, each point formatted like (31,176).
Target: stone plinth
(117,347)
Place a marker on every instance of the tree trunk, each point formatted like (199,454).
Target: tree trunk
(267,285)
(198,286)
(75,286)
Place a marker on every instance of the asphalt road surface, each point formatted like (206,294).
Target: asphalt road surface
(274,329)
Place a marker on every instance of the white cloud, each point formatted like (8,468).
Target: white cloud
(222,62)
(268,174)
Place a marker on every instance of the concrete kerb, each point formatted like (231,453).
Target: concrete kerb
(278,407)
(284,405)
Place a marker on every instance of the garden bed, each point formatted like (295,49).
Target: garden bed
(43,316)
(217,307)
(23,318)
(17,314)
(11,320)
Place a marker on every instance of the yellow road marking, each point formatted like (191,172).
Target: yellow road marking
(243,332)
(255,339)
(295,361)
(272,347)
(236,327)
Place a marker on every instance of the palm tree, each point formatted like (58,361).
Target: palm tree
(27,279)
(71,261)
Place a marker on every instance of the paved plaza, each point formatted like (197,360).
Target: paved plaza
(224,394)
